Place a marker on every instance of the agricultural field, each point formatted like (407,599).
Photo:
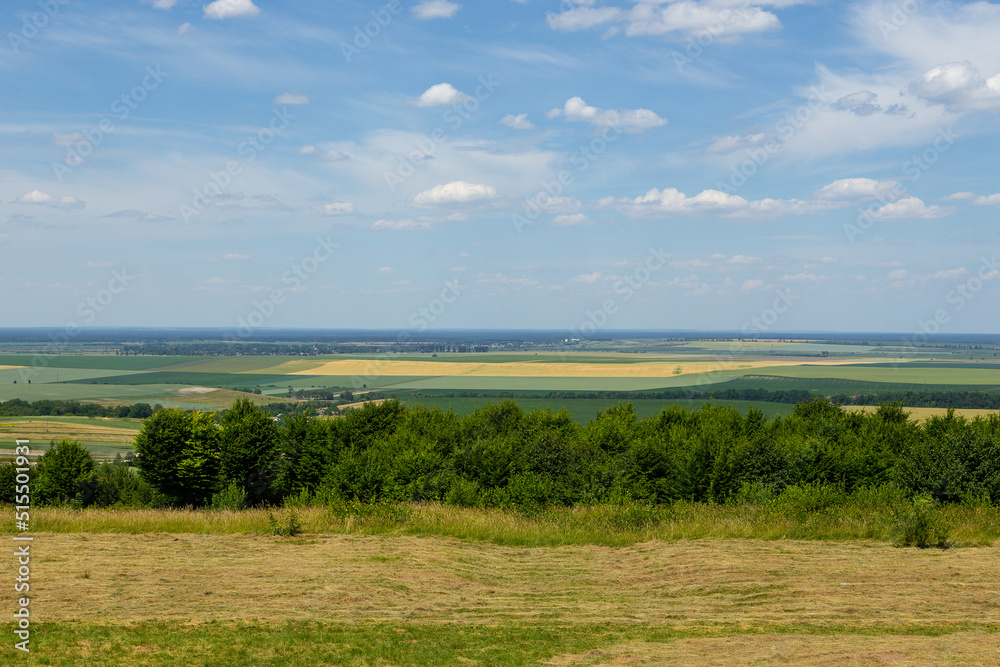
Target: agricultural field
(214,382)
(104,437)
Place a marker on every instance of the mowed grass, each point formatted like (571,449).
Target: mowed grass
(162,599)
(102,436)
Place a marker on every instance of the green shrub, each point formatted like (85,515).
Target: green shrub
(921,525)
(290,528)
(233,497)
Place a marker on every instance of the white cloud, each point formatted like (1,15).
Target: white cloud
(571,220)
(385,269)
(959,85)
(184,29)
(720,20)
(436,9)
(576,110)
(585,278)
(455,192)
(439,95)
(855,189)
(737,142)
(837,195)
(403,225)
(291,98)
(861,103)
(235,256)
(338,208)
(751,285)
(39,198)
(70,139)
(909,208)
(163,4)
(518,122)
(227,9)
(580,18)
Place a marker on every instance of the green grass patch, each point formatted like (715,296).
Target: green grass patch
(309,643)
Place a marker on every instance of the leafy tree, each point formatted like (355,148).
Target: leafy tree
(179,455)
(62,471)
(249,450)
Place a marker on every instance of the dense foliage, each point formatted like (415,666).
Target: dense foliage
(503,456)
(17,407)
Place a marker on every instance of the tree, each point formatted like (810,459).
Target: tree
(179,455)
(249,450)
(62,471)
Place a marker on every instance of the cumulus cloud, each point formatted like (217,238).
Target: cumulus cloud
(456,192)
(236,256)
(228,9)
(291,98)
(162,4)
(858,189)
(909,208)
(39,198)
(518,122)
(960,85)
(862,103)
(184,29)
(891,202)
(338,208)
(751,285)
(440,95)
(436,9)
(578,111)
(722,21)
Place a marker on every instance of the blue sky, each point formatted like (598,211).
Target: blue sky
(513,164)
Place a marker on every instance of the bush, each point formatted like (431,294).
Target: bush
(233,497)
(62,473)
(290,528)
(921,525)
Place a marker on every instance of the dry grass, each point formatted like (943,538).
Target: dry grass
(415,368)
(919,414)
(390,579)
(40,432)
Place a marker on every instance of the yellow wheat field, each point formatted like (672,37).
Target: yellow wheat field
(408,367)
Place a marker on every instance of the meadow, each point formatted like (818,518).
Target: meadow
(436,585)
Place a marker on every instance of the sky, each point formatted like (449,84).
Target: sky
(581,165)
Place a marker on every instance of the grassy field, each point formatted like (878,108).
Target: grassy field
(210,588)
(104,437)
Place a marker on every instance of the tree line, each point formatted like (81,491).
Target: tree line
(501,455)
